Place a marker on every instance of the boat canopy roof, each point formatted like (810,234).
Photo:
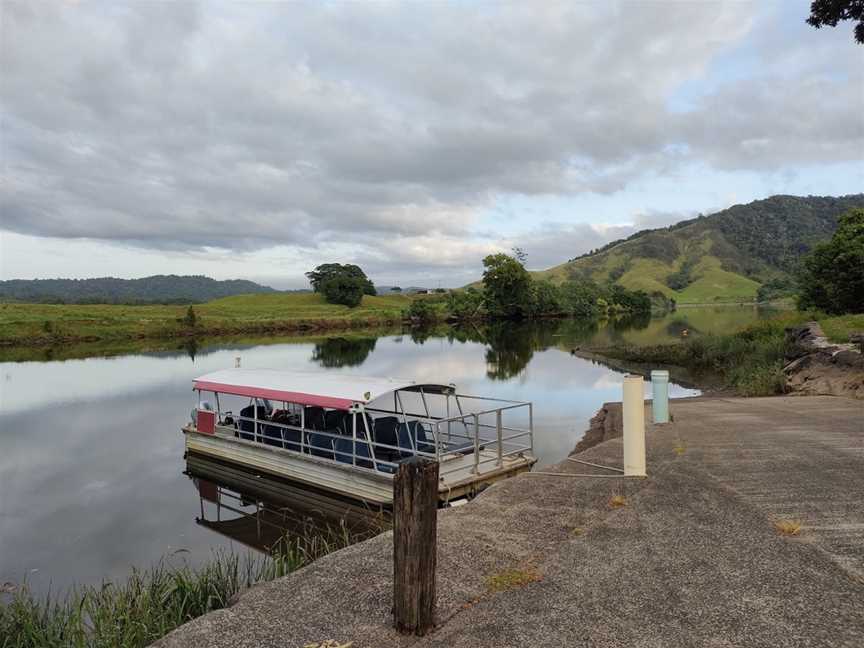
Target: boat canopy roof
(322,389)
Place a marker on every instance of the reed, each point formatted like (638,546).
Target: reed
(152,602)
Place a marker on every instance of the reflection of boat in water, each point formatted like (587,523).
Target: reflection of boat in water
(260,511)
(346,435)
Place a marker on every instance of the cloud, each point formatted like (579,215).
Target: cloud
(384,131)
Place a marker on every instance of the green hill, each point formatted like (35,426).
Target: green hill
(158,289)
(726,256)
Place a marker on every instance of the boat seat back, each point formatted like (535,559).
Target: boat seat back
(342,448)
(337,422)
(314,418)
(407,434)
(385,430)
(246,424)
(361,430)
(321,445)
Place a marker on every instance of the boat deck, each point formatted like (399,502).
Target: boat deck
(461,474)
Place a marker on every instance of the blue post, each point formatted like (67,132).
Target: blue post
(660,395)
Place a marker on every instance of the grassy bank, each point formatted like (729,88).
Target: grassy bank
(750,360)
(838,329)
(150,603)
(53,324)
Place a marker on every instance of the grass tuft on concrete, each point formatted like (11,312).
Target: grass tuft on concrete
(788,527)
(511,579)
(617,501)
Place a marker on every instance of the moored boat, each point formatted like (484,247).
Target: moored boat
(347,434)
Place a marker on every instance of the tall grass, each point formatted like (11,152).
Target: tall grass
(151,602)
(750,361)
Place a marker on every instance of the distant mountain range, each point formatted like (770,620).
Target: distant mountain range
(158,289)
(727,256)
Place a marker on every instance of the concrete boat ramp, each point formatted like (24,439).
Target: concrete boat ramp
(689,556)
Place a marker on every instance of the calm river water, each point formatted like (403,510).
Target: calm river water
(91,454)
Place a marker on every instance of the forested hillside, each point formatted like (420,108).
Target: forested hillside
(158,289)
(727,256)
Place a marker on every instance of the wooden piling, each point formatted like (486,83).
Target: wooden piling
(415,522)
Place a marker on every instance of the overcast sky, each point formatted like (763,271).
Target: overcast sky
(256,140)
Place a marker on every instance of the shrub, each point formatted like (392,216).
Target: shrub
(465,304)
(421,311)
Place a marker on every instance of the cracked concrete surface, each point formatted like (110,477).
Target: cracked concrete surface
(693,559)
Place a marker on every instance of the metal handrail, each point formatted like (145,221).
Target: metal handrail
(505,441)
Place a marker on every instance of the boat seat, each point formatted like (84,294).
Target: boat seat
(413,436)
(361,430)
(386,432)
(337,422)
(406,434)
(321,445)
(314,418)
(247,427)
(342,448)
(424,443)
(272,435)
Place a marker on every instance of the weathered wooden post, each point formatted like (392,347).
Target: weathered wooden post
(415,527)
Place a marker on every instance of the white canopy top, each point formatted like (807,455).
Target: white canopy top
(321,389)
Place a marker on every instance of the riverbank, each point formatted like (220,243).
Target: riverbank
(41,325)
(755,361)
(694,555)
(151,602)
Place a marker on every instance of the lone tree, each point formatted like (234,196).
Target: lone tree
(832,278)
(191,318)
(507,286)
(341,284)
(831,12)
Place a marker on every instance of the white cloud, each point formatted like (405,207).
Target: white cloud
(380,131)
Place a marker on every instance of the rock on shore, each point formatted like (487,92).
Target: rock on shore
(818,367)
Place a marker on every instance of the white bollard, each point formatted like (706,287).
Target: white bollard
(634,427)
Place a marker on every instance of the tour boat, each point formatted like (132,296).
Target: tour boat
(346,435)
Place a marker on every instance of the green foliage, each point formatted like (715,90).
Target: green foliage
(507,286)
(831,12)
(749,361)
(158,289)
(421,311)
(342,289)
(633,301)
(190,319)
(581,298)
(832,278)
(150,603)
(546,299)
(776,288)
(682,277)
(465,304)
(328,272)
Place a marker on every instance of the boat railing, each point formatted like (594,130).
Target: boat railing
(491,440)
(488,434)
